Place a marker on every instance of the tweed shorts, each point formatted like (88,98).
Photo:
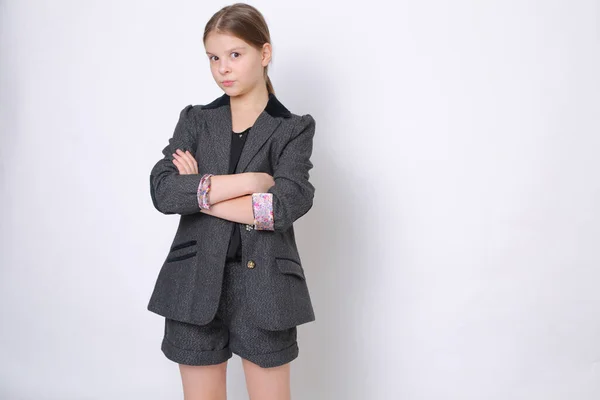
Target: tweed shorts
(229,332)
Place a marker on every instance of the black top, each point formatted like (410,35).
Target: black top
(234,252)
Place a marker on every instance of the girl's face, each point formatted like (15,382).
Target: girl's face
(236,66)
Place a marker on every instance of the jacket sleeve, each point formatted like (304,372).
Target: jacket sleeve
(171,192)
(292,195)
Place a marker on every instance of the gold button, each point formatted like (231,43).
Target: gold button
(251,264)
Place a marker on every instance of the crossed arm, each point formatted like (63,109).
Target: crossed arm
(234,197)
(268,202)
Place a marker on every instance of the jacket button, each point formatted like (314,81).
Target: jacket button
(251,264)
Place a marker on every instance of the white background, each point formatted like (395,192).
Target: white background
(452,249)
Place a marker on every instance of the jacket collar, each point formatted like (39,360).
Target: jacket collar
(274,107)
(215,157)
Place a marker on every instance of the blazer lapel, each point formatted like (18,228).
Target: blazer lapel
(219,127)
(263,128)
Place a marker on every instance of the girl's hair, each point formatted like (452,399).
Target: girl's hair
(245,22)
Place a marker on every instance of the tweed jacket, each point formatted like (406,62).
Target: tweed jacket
(188,286)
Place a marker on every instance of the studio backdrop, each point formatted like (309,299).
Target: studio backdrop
(452,248)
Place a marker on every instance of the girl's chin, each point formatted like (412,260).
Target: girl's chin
(230,91)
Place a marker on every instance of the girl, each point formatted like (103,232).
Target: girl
(237,171)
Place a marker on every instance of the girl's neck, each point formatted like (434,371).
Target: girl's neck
(252,103)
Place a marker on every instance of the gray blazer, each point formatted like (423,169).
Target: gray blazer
(188,286)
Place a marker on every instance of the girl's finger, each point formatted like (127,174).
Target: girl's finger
(181,166)
(178,166)
(191,162)
(185,159)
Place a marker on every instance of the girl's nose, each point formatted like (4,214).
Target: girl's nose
(223,67)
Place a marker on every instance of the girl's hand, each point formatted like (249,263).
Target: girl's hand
(185,162)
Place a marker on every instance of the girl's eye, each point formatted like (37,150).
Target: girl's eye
(235,52)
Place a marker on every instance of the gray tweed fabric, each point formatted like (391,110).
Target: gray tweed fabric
(189,283)
(230,332)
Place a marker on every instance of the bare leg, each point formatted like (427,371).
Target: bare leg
(204,382)
(267,383)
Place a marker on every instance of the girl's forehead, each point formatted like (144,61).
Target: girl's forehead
(217,42)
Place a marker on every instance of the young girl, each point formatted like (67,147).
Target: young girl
(237,172)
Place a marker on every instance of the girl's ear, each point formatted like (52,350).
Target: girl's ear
(266,54)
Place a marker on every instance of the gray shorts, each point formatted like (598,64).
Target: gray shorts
(229,332)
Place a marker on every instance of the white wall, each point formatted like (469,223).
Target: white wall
(452,248)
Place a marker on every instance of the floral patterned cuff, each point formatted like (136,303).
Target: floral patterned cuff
(262,206)
(203,189)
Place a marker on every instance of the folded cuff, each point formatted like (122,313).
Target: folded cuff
(262,206)
(192,357)
(203,190)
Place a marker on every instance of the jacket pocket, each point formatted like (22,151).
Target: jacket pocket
(181,257)
(190,251)
(290,266)
(183,245)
